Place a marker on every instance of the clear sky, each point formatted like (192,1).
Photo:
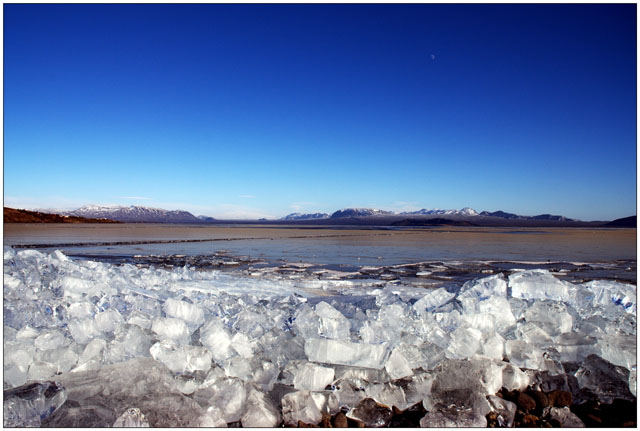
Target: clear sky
(262,110)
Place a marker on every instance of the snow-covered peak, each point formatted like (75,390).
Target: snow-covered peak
(134,214)
(466,211)
(301,216)
(359,212)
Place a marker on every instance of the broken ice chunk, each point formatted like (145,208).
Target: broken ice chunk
(538,284)
(94,349)
(432,300)
(513,378)
(260,412)
(217,339)
(306,406)
(28,405)
(550,316)
(140,319)
(238,367)
(212,418)
(107,321)
(17,359)
(465,384)
(453,417)
(180,359)
(397,365)
(506,410)
(604,379)
(41,370)
(75,288)
(83,330)
(465,342)
(498,307)
(565,417)
(227,394)
(333,324)
(63,358)
(346,353)
(81,310)
(265,375)
(523,355)
(171,329)
(312,377)
(608,293)
(50,340)
(241,344)
(493,347)
(484,288)
(388,394)
(190,313)
(131,418)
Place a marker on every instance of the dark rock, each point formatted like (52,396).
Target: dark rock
(525,402)
(371,413)
(529,420)
(620,413)
(340,421)
(560,398)
(326,421)
(354,423)
(408,418)
(492,420)
(540,398)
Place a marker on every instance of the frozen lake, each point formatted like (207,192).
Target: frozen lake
(339,246)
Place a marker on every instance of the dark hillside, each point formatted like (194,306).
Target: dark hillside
(622,222)
(12,215)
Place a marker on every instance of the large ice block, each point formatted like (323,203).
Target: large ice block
(28,405)
(180,359)
(432,300)
(538,284)
(306,406)
(192,314)
(260,413)
(312,377)
(171,329)
(346,353)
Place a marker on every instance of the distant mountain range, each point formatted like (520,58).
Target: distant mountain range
(134,214)
(298,216)
(464,211)
(346,216)
(467,212)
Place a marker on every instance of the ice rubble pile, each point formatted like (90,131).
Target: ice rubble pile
(154,347)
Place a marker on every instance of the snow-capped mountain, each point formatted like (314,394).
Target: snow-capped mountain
(134,214)
(300,216)
(464,212)
(359,212)
(206,219)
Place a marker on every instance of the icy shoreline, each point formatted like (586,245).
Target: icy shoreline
(209,348)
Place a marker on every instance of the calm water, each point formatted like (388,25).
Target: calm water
(343,246)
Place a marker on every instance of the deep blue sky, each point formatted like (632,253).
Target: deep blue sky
(262,110)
